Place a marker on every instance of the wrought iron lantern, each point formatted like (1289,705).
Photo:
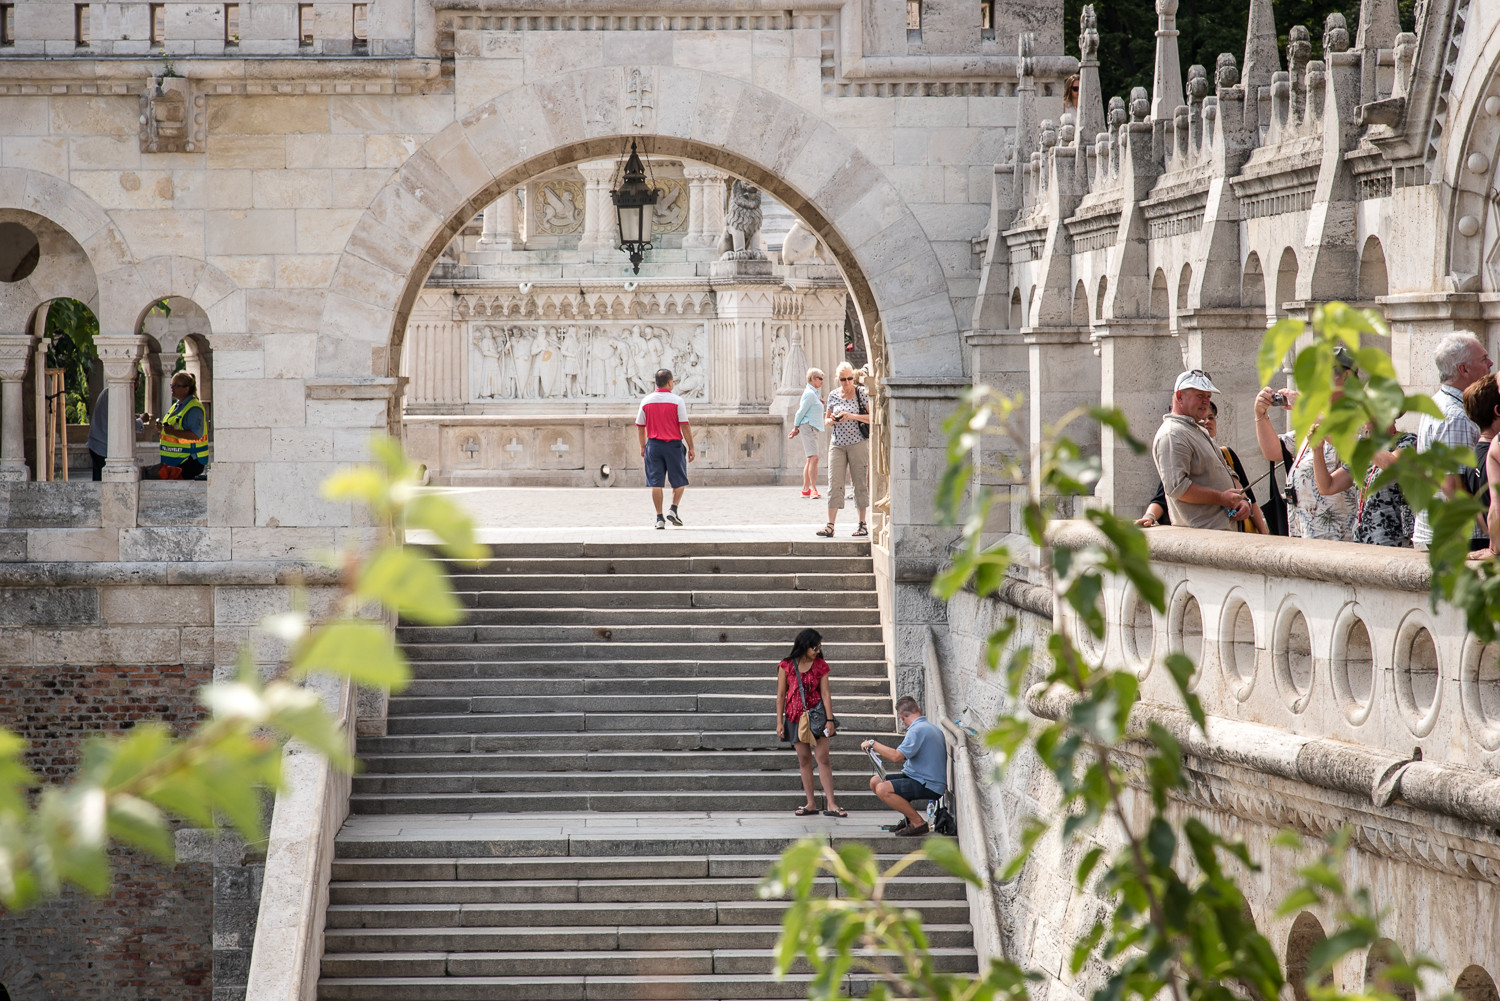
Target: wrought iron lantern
(635,200)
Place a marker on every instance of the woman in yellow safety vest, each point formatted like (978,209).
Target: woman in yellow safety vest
(184,430)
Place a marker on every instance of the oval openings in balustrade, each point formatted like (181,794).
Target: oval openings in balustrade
(1292,659)
(1237,645)
(1353,667)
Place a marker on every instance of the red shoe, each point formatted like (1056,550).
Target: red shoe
(807,493)
(815,494)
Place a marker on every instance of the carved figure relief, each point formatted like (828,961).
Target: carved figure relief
(670,214)
(559,207)
(639,101)
(538,361)
(741,224)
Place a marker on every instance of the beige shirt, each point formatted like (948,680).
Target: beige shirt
(1185,456)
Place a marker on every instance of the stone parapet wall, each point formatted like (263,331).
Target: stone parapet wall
(97,647)
(1422,836)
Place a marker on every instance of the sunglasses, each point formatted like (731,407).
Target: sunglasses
(845,378)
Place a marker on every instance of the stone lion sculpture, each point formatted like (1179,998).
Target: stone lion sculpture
(802,246)
(741,224)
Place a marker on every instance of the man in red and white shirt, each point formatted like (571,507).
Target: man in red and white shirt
(662,424)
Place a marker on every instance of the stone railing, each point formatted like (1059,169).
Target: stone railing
(1329,641)
(309,812)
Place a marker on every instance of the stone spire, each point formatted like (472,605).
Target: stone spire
(1379,24)
(1090,99)
(1166,85)
(1025,101)
(1262,58)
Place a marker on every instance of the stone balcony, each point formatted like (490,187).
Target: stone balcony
(1323,640)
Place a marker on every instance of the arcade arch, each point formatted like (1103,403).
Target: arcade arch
(891,269)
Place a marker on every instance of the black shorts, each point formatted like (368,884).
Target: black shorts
(910,789)
(666,461)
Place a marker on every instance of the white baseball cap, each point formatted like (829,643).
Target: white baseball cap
(1195,379)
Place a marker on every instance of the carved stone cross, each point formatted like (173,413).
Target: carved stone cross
(471,445)
(638,99)
(515,446)
(750,446)
(559,447)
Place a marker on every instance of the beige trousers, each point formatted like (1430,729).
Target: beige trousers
(852,461)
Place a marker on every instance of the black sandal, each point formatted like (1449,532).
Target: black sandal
(860,531)
(826,531)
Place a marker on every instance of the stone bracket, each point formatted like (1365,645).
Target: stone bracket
(173,119)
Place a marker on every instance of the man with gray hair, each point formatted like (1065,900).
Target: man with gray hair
(1461,360)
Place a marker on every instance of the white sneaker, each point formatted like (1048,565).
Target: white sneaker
(661,522)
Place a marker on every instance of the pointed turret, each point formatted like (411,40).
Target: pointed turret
(1379,24)
(1262,57)
(1166,84)
(1090,98)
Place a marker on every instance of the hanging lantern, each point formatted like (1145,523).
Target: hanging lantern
(635,201)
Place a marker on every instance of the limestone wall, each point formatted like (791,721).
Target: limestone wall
(1290,714)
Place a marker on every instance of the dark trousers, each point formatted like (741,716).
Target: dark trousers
(98,461)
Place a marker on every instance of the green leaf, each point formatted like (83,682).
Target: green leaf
(412,585)
(357,483)
(945,853)
(361,651)
(1274,347)
(450,523)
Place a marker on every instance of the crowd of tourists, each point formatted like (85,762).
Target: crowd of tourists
(1309,492)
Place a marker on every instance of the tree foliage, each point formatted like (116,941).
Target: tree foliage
(1177,922)
(1127,33)
(130,788)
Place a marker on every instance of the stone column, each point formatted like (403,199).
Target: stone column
(1225,343)
(500,224)
(15,353)
(705,206)
(599,226)
(1000,359)
(741,349)
(119,354)
(1064,374)
(1138,364)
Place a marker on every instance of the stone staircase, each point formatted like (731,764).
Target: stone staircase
(579,793)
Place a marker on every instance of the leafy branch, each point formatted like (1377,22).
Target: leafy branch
(130,789)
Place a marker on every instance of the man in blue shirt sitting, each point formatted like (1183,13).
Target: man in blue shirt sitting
(924,757)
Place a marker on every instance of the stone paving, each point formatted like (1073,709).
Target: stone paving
(625,514)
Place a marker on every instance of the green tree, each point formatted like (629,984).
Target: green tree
(1127,33)
(72,327)
(129,788)
(1178,924)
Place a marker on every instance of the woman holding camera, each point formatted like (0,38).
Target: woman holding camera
(802,689)
(1311,513)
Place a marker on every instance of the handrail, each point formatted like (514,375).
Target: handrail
(308,814)
(968,812)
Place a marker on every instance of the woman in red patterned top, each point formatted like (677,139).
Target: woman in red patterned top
(805,671)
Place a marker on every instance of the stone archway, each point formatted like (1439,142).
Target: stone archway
(888,263)
(1472,248)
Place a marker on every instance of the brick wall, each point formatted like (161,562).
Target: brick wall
(152,935)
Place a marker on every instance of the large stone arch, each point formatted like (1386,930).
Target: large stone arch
(78,216)
(1471,250)
(210,289)
(892,270)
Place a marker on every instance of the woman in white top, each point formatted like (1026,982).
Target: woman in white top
(807,425)
(848,449)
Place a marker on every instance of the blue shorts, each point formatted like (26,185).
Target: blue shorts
(910,789)
(666,460)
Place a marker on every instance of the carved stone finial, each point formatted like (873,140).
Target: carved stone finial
(1088,33)
(1166,8)
(1226,71)
(1140,104)
(1197,83)
(1315,85)
(1066,129)
(1298,49)
(1025,42)
(1335,33)
(1117,114)
(1049,133)
(1406,54)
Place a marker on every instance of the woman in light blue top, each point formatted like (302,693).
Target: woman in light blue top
(807,425)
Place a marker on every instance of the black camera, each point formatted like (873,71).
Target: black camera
(1290,495)
(1278,399)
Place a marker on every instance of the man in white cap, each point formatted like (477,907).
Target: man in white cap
(1199,485)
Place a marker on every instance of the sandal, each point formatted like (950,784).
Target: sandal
(860,531)
(805,811)
(838,811)
(826,531)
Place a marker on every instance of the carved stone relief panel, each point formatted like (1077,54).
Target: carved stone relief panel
(560,448)
(559,207)
(570,361)
(711,442)
(671,212)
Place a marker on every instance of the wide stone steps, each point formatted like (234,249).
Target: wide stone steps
(654,704)
(541,687)
(578,795)
(474,765)
(669,666)
(834,637)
